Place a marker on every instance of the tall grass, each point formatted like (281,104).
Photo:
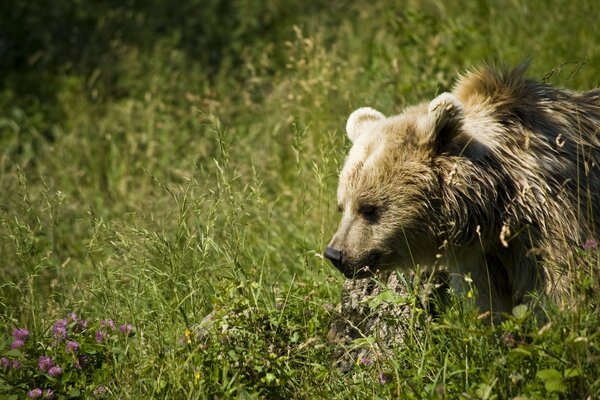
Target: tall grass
(175,167)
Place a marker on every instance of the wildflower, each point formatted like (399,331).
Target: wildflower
(49,394)
(187,336)
(100,391)
(100,336)
(59,329)
(364,361)
(45,363)
(17,344)
(55,371)
(590,244)
(81,325)
(5,363)
(35,393)
(197,376)
(71,346)
(72,317)
(21,334)
(109,322)
(126,329)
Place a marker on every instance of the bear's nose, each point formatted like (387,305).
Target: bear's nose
(335,256)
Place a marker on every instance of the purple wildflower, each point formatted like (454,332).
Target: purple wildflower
(5,363)
(59,329)
(17,344)
(100,336)
(384,378)
(34,393)
(590,244)
(109,322)
(16,365)
(49,394)
(44,363)
(99,391)
(81,325)
(126,329)
(21,334)
(55,371)
(365,361)
(71,346)
(72,317)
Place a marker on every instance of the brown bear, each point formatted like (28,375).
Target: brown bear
(497,182)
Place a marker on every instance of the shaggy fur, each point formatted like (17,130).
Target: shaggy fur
(498,180)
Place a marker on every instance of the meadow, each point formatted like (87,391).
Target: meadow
(167,186)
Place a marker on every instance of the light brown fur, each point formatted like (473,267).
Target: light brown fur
(498,180)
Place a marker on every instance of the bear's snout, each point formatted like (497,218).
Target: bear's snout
(352,269)
(335,256)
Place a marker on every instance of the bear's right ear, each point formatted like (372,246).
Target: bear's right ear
(445,119)
(359,121)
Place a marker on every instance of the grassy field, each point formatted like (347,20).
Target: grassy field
(171,169)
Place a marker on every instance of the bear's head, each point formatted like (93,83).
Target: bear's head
(389,191)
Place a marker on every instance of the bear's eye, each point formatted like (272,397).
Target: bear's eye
(340,208)
(368,211)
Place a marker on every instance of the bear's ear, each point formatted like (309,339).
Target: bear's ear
(445,118)
(359,121)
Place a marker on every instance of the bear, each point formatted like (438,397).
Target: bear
(496,182)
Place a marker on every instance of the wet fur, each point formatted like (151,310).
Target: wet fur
(499,180)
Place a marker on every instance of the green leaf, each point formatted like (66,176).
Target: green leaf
(244,395)
(387,296)
(548,374)
(571,373)
(519,352)
(553,380)
(13,353)
(520,312)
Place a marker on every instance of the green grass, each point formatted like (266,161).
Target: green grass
(160,164)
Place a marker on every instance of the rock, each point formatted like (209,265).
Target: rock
(374,315)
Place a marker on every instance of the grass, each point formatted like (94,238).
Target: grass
(175,168)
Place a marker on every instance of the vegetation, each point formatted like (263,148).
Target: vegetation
(172,166)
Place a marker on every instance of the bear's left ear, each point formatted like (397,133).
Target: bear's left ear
(444,120)
(359,121)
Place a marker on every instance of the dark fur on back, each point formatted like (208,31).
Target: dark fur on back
(531,191)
